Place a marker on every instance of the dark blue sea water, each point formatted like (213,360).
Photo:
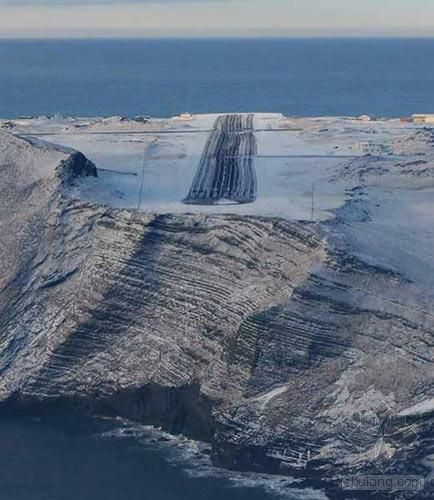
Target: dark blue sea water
(166,77)
(46,460)
(163,78)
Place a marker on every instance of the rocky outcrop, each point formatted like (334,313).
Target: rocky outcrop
(76,166)
(285,351)
(335,366)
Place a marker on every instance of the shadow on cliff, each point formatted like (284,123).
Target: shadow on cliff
(177,409)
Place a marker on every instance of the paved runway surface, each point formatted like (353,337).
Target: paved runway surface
(226,171)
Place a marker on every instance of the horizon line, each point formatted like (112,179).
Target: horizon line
(218,37)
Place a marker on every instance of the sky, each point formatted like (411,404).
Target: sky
(225,18)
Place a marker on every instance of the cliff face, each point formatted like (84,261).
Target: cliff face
(260,335)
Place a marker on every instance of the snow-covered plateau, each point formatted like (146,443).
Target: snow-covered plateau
(258,282)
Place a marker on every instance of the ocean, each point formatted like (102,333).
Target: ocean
(162,78)
(384,78)
(56,459)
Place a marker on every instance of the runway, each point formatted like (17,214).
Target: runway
(226,171)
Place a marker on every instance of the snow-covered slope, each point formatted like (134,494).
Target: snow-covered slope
(286,331)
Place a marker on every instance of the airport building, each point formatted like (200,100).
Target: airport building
(423,118)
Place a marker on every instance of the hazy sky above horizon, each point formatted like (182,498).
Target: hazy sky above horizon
(125,18)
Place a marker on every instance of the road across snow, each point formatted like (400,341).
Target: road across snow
(158,165)
(261,159)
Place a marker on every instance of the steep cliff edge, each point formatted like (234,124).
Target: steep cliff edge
(278,345)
